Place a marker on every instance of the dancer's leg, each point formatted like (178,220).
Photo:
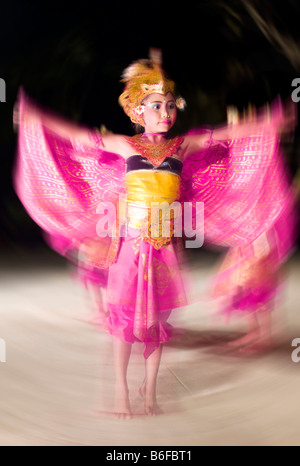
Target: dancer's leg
(265,339)
(148,390)
(265,325)
(122,351)
(97,294)
(252,334)
(259,331)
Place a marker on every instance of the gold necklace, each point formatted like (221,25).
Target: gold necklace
(155,153)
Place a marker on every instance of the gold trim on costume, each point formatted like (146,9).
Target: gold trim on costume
(151,213)
(155,153)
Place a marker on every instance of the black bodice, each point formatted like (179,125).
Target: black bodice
(138,162)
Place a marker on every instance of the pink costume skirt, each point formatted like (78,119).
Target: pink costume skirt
(144,285)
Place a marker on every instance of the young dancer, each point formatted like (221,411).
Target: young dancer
(68,177)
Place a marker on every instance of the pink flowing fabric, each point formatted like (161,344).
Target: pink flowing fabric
(248,207)
(60,181)
(144,285)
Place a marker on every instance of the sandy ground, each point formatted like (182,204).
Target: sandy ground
(57,369)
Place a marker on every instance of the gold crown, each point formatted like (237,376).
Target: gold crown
(142,78)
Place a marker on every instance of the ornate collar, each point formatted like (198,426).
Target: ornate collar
(155,153)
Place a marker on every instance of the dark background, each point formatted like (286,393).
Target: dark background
(70,58)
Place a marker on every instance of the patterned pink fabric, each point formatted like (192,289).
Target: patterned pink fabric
(144,285)
(248,207)
(61,182)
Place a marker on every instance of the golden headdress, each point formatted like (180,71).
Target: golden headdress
(142,78)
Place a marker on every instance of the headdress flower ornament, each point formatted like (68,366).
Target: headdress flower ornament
(142,78)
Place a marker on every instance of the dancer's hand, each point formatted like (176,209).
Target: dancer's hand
(279,117)
(286,118)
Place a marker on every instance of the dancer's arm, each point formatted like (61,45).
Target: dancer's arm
(26,111)
(279,120)
(110,143)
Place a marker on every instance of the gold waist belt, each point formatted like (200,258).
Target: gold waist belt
(151,205)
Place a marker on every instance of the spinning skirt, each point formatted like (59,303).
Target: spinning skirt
(144,285)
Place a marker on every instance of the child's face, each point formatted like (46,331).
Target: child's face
(160,112)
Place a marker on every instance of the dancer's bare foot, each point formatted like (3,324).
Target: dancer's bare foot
(122,408)
(250,347)
(247,339)
(151,407)
(261,345)
(253,342)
